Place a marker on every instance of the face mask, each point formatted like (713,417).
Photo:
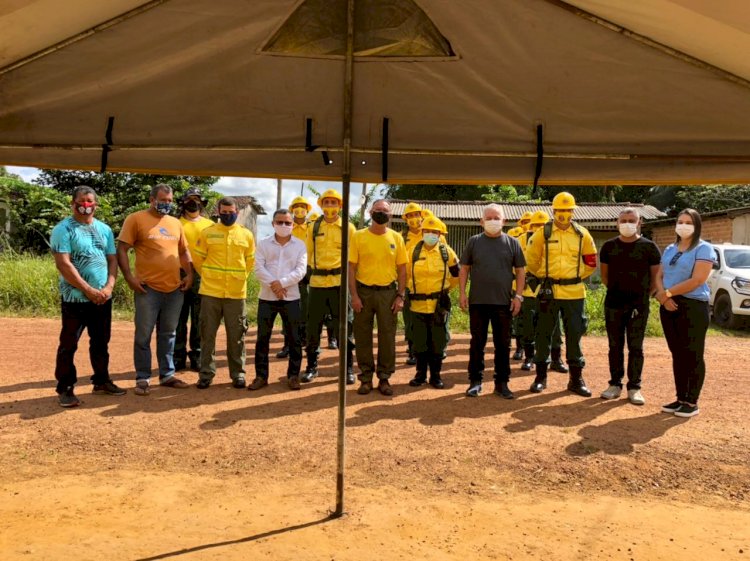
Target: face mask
(380,217)
(430,239)
(299,212)
(85,208)
(191,206)
(627,229)
(492,227)
(331,212)
(228,219)
(414,223)
(163,208)
(684,230)
(563,217)
(282,230)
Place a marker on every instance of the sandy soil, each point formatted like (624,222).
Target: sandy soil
(229,474)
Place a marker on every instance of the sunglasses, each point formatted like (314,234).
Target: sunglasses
(674,259)
(284,223)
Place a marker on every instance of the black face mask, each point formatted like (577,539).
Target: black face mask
(191,205)
(380,217)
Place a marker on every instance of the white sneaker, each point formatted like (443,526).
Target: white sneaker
(636,397)
(612,392)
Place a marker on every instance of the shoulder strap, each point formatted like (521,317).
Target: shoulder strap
(414,257)
(547,234)
(316,232)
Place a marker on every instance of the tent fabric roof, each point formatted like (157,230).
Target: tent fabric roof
(662,99)
(472,210)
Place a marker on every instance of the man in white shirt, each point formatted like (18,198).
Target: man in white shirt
(280,264)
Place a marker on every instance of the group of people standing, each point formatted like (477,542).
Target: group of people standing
(194,271)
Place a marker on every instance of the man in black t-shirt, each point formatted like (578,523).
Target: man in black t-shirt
(492,260)
(629,265)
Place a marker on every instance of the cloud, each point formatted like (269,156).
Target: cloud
(27,174)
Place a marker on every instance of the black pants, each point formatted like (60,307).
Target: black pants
(290,318)
(685,331)
(97,320)
(481,316)
(626,322)
(190,311)
(324,303)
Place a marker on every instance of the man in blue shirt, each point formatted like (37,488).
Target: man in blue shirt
(85,256)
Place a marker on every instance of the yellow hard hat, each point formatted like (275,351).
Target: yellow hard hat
(330,194)
(300,201)
(526,217)
(515,232)
(411,207)
(313,216)
(539,217)
(563,201)
(432,223)
(427,213)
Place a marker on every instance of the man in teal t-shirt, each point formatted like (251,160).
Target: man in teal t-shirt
(85,256)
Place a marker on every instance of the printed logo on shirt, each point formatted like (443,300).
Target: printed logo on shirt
(162,235)
(393,246)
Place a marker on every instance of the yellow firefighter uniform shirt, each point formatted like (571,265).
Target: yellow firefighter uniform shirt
(224,257)
(565,262)
(193,229)
(299,231)
(377,256)
(427,277)
(326,252)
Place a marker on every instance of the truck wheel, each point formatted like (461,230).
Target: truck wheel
(723,316)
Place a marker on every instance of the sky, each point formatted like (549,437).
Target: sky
(264,190)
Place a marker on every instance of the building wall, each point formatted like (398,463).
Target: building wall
(249,219)
(716,229)
(741,229)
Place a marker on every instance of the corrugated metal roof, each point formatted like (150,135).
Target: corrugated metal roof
(472,210)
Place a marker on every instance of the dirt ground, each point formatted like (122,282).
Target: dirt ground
(229,474)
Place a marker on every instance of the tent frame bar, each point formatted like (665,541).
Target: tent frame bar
(644,40)
(82,35)
(720,158)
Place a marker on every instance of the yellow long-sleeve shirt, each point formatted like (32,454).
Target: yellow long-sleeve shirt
(224,257)
(325,253)
(565,261)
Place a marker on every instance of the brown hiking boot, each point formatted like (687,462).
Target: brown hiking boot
(364,388)
(384,387)
(176,383)
(293,382)
(257,384)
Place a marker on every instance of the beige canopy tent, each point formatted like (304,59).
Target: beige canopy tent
(615,91)
(625,91)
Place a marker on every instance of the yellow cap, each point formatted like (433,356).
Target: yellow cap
(432,223)
(515,232)
(300,201)
(539,217)
(563,201)
(525,217)
(411,207)
(330,194)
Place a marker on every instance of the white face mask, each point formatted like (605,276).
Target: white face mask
(492,226)
(627,229)
(684,230)
(430,239)
(282,230)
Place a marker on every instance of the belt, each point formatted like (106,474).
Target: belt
(565,282)
(326,272)
(376,286)
(430,296)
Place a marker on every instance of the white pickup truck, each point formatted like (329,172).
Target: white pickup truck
(730,286)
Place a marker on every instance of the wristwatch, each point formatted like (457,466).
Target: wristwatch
(399,295)
(519,297)
(668,294)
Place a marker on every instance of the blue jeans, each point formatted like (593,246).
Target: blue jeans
(160,310)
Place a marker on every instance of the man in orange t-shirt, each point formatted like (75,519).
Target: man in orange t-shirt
(160,250)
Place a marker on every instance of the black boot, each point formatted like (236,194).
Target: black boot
(411,360)
(436,365)
(540,381)
(576,383)
(557,363)
(311,372)
(420,377)
(518,355)
(528,362)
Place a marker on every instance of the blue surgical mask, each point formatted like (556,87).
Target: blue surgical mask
(228,218)
(430,239)
(163,208)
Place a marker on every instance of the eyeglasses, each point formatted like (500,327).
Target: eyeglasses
(674,259)
(285,223)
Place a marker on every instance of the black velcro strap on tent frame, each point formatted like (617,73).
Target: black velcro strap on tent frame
(107,148)
(309,146)
(384,151)
(539,155)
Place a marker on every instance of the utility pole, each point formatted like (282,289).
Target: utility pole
(278,194)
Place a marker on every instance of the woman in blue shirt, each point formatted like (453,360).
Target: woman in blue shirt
(683,294)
